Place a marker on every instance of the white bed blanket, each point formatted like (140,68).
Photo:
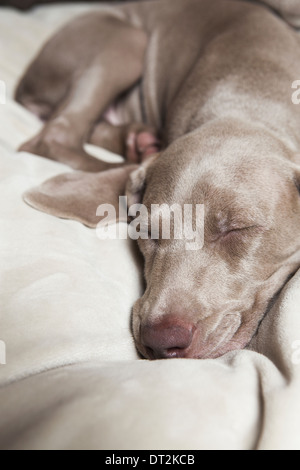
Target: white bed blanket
(72,378)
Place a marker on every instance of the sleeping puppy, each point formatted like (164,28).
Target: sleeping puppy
(196,95)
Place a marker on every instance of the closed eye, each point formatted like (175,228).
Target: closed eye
(238,232)
(242,231)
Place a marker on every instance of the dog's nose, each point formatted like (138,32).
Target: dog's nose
(167,339)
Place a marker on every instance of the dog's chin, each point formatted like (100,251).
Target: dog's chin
(223,350)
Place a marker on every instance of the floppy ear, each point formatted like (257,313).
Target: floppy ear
(77,195)
(136,184)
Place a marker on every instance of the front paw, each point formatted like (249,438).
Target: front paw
(34,146)
(141,144)
(52,138)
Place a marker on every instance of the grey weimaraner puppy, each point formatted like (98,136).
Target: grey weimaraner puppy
(199,93)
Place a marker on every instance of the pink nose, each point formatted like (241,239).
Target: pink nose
(167,339)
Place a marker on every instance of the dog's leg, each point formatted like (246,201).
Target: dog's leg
(115,64)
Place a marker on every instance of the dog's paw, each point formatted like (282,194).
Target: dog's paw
(140,145)
(56,134)
(34,146)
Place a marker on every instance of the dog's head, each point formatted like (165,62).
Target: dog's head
(217,261)
(204,300)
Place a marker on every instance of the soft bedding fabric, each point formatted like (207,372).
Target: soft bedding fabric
(72,378)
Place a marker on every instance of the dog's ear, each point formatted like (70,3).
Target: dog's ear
(77,195)
(137,181)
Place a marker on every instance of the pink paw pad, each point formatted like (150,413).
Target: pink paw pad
(141,145)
